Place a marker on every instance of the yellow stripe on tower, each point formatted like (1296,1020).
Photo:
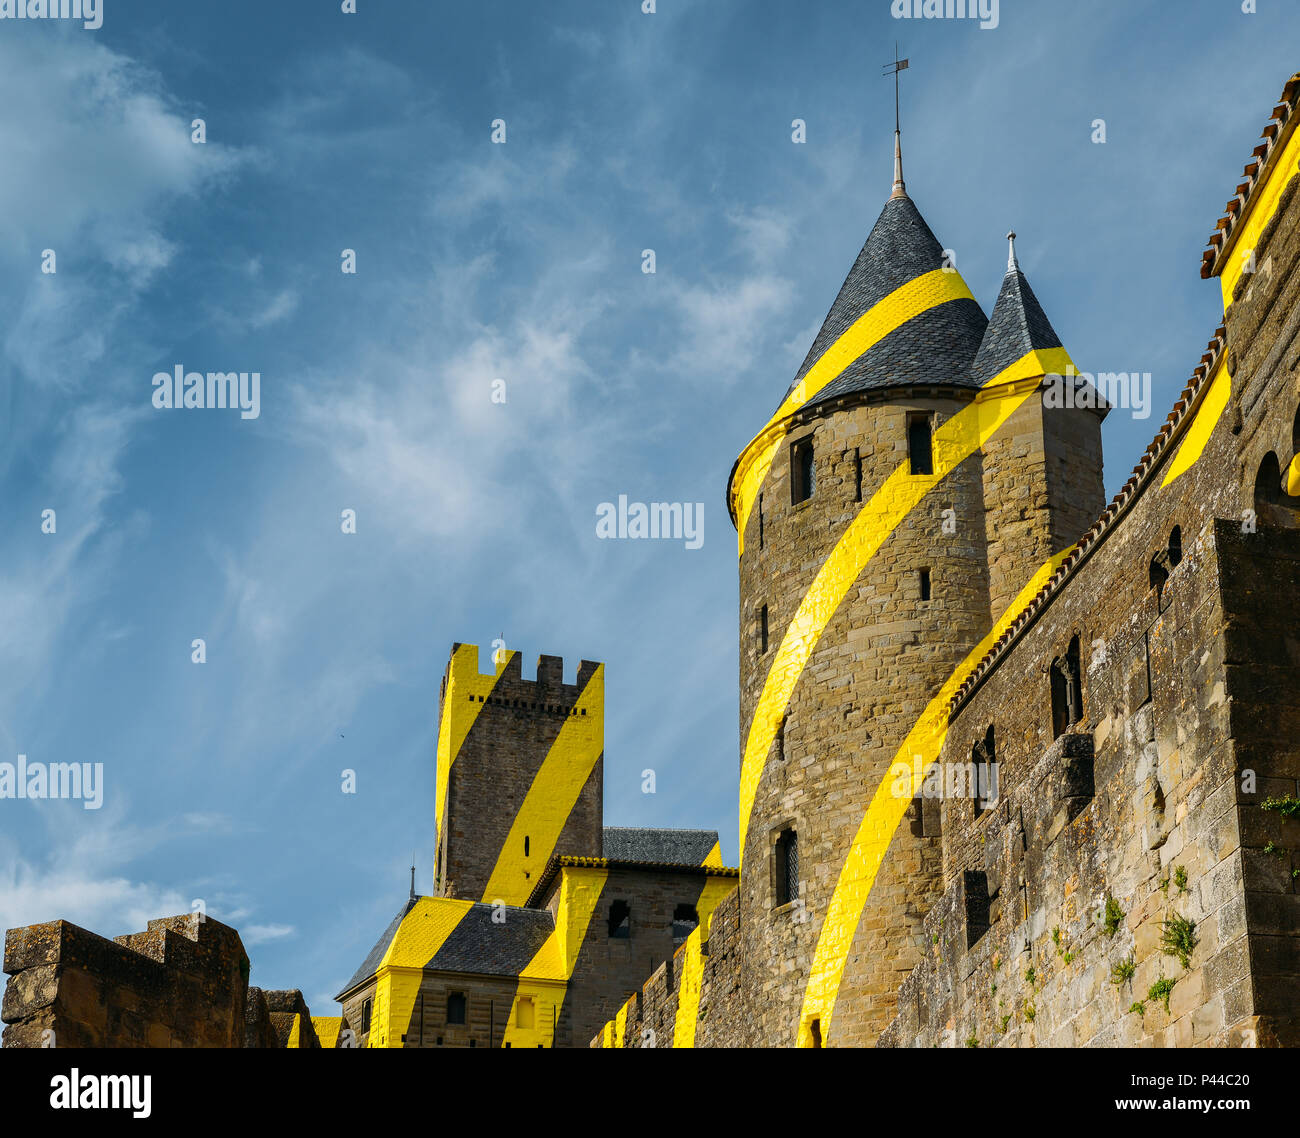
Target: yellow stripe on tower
(552,796)
(467,694)
(881,821)
(919,295)
(1207,417)
(1263,205)
(954,442)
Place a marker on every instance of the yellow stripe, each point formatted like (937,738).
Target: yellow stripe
(917,296)
(716,889)
(714,856)
(1263,205)
(459,714)
(580,890)
(881,820)
(954,441)
(551,798)
(620,1024)
(1207,417)
(327,1030)
(1293,477)
(421,934)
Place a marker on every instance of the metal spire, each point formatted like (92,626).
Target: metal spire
(1012,263)
(900,189)
(413,881)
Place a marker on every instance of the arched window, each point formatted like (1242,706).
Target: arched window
(1067,695)
(1175,546)
(1268,483)
(984,780)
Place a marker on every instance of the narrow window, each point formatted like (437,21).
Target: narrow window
(1268,483)
(925,584)
(366,1008)
(1175,546)
(780,742)
(620,920)
(525,1013)
(685,921)
(857,483)
(984,781)
(815,1029)
(762,632)
(1067,697)
(918,444)
(525,845)
(760,521)
(803,477)
(786,859)
(456,1008)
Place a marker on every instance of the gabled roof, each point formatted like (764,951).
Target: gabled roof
(935,346)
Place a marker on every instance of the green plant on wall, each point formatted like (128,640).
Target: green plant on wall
(1030,1013)
(1114,916)
(1179,938)
(972,1042)
(1274,849)
(1123,971)
(1160,990)
(1139,1007)
(1288,805)
(1180,878)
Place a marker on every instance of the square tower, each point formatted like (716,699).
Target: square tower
(520,773)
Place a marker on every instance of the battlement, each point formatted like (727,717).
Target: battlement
(465,661)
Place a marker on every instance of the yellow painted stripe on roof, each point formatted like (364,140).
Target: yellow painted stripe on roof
(954,441)
(551,797)
(421,934)
(327,1029)
(714,856)
(459,714)
(1263,205)
(580,890)
(1207,417)
(919,295)
(881,820)
(295,1031)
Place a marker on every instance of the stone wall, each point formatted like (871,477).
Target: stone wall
(183,983)
(1144,827)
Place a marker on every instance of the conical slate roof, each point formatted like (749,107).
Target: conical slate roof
(941,326)
(1019,326)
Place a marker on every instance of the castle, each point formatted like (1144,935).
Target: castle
(1017,767)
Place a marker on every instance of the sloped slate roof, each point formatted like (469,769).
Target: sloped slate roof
(495,948)
(679,847)
(1018,326)
(935,347)
(371,963)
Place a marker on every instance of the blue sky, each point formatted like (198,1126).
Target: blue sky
(477,261)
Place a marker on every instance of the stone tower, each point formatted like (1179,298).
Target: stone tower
(865,585)
(519,773)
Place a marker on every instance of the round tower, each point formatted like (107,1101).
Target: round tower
(863,585)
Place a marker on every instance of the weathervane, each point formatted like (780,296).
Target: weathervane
(900,190)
